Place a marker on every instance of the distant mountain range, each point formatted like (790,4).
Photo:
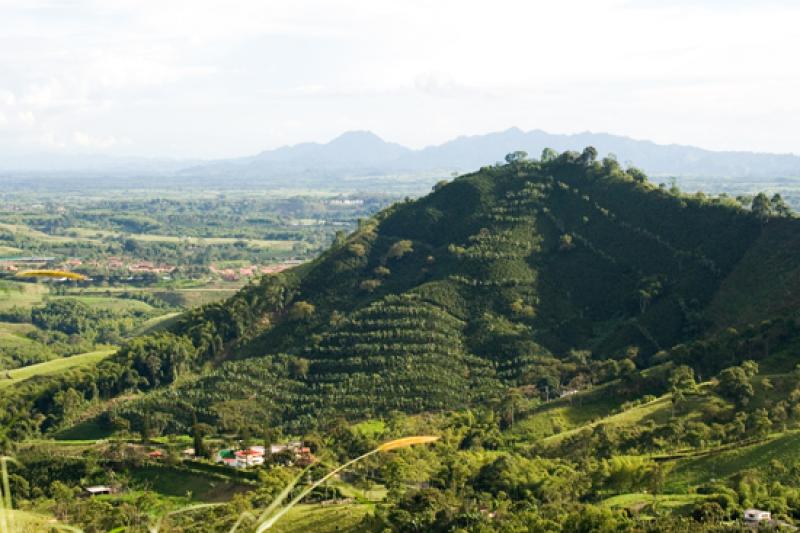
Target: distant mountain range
(364,153)
(360,155)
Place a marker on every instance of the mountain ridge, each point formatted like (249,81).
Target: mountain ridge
(472,151)
(362,153)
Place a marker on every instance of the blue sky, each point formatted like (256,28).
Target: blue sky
(218,79)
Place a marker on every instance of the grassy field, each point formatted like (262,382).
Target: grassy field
(194,486)
(784,447)
(16,328)
(12,335)
(87,431)
(14,293)
(640,501)
(89,234)
(564,414)
(156,324)
(53,367)
(96,236)
(319,519)
(370,428)
(25,231)
(109,303)
(259,243)
(30,522)
(7,251)
(658,409)
(194,297)
(13,339)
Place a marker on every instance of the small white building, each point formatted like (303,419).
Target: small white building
(97,490)
(252,456)
(753,516)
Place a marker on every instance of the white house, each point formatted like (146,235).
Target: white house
(756,515)
(252,456)
(96,490)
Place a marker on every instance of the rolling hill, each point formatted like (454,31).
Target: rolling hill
(548,275)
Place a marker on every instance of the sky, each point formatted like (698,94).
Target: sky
(204,79)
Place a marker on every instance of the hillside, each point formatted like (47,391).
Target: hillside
(589,347)
(547,275)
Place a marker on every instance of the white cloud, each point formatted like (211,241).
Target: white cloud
(88,141)
(211,78)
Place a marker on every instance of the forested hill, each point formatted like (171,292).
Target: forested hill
(547,275)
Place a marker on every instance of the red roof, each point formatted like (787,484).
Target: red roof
(245,453)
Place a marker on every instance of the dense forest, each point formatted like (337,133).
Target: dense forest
(573,332)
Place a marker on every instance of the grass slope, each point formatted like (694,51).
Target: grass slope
(109,303)
(53,367)
(191,485)
(784,448)
(329,519)
(14,293)
(657,409)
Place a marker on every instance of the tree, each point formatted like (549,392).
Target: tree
(199,431)
(302,311)
(440,185)
(298,367)
(681,383)
(758,423)
(339,238)
(64,497)
(682,378)
(516,157)
(370,285)
(590,519)
(399,249)
(779,206)
(548,155)
(734,385)
(750,368)
(708,512)
(588,156)
(637,174)
(761,207)
(509,405)
(357,249)
(649,289)
(147,429)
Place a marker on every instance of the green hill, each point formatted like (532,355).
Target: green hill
(595,352)
(546,275)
